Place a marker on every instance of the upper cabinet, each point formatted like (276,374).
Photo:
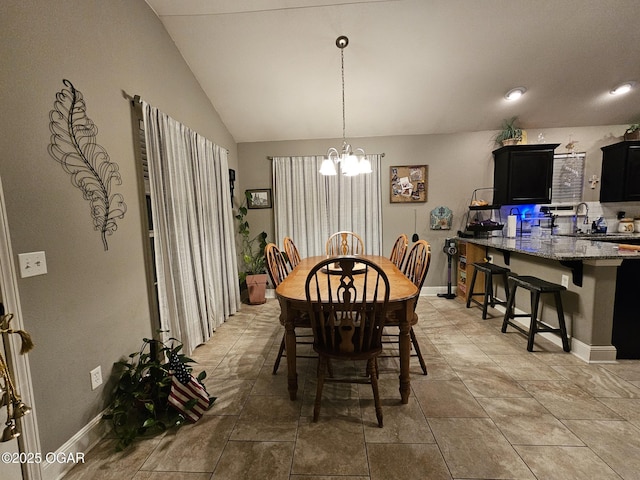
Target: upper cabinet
(523,174)
(620,178)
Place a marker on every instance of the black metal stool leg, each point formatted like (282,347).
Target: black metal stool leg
(470,291)
(488,295)
(535,298)
(509,308)
(561,322)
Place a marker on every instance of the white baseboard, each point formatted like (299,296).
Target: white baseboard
(587,353)
(434,291)
(76,447)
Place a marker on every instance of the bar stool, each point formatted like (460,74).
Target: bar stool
(537,287)
(489,270)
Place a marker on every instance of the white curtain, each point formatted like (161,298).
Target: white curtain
(308,207)
(194,234)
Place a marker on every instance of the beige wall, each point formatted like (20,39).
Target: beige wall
(91,308)
(458,164)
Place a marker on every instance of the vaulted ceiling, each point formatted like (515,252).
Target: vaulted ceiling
(272,69)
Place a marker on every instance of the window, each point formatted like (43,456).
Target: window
(568,178)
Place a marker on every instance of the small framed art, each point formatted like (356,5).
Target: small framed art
(409,184)
(259,198)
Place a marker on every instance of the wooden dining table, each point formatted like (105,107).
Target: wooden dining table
(403,295)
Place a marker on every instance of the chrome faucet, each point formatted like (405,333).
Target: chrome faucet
(586,216)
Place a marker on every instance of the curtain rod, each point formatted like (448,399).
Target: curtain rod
(137,102)
(270,157)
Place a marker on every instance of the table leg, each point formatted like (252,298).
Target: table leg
(405,357)
(290,346)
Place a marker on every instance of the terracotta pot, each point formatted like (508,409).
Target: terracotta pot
(257,287)
(635,135)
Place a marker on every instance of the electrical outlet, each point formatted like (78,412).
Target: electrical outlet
(96,377)
(565,281)
(31,264)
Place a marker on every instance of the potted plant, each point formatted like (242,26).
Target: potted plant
(139,404)
(254,270)
(633,132)
(510,133)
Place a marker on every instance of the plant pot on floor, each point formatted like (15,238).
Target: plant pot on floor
(257,287)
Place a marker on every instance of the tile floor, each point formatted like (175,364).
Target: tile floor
(488,409)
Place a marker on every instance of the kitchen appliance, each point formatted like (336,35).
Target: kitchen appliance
(626,225)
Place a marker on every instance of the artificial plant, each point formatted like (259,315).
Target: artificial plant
(509,131)
(139,404)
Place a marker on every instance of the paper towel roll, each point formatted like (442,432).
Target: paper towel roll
(512,225)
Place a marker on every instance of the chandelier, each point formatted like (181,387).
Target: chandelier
(350,163)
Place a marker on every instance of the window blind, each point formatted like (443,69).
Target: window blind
(568,177)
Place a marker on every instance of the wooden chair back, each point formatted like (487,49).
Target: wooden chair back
(399,250)
(417,264)
(347,307)
(292,253)
(276,264)
(344,243)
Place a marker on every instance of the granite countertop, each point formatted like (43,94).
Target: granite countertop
(560,247)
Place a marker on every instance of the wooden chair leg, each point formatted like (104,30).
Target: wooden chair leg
(279,357)
(372,367)
(416,347)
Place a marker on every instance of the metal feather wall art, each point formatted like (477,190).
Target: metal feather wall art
(73,145)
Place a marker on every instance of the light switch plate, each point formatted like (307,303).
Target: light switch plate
(31,264)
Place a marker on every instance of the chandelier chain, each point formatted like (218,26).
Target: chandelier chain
(344,136)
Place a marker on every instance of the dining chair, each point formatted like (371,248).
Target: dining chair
(276,264)
(399,250)
(278,271)
(347,307)
(291,251)
(415,269)
(344,243)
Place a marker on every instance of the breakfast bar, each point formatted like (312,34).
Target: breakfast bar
(596,273)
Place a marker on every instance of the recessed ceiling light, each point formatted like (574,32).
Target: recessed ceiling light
(622,88)
(515,93)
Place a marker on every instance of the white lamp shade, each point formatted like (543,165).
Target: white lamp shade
(365,165)
(328,167)
(350,165)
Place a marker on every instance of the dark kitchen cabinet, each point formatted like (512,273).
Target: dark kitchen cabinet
(523,174)
(620,177)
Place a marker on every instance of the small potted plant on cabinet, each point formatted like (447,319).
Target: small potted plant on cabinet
(510,133)
(254,271)
(632,132)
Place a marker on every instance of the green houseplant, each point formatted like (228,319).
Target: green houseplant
(510,133)
(632,132)
(254,269)
(139,405)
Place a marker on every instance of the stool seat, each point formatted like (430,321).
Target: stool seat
(535,284)
(489,270)
(537,287)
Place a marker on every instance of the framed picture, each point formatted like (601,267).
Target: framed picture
(409,183)
(259,198)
